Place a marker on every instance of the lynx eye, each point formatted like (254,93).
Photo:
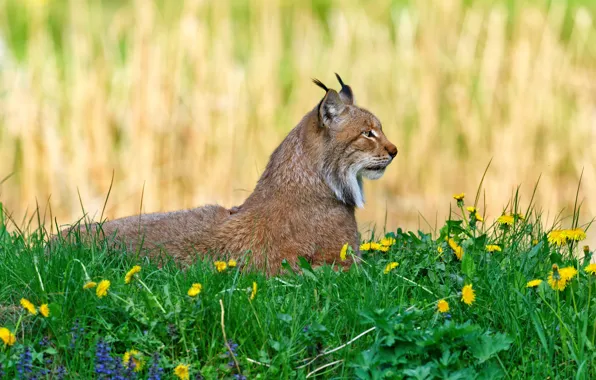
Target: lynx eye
(369,134)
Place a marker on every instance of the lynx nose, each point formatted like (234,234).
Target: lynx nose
(392,150)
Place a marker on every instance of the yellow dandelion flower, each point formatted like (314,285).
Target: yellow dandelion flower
(181,371)
(520,216)
(136,358)
(478,217)
(576,234)
(534,242)
(343,252)
(232,263)
(387,241)
(442,306)
(254,291)
(493,248)
(440,250)
(375,246)
(505,220)
(220,265)
(102,288)
(555,280)
(383,248)
(533,283)
(389,267)
(590,269)
(7,336)
(457,250)
(459,197)
(195,289)
(129,276)
(27,305)
(44,310)
(90,285)
(468,295)
(366,247)
(558,237)
(471,209)
(568,273)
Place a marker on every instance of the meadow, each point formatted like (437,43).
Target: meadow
(164,105)
(180,103)
(506,298)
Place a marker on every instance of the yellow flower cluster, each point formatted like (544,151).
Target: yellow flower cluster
(591,269)
(220,265)
(474,213)
(30,307)
(7,336)
(558,279)
(442,306)
(343,252)
(382,246)
(181,371)
(195,289)
(459,197)
(102,288)
(129,276)
(562,237)
(493,248)
(44,310)
(389,267)
(254,291)
(136,358)
(505,220)
(457,250)
(90,285)
(468,296)
(533,283)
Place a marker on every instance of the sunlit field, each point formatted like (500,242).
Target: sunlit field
(477,244)
(181,102)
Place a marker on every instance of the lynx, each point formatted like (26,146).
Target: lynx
(303,204)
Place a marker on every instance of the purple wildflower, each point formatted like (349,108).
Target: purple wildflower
(104,363)
(24,365)
(76,331)
(61,372)
(155,371)
(45,341)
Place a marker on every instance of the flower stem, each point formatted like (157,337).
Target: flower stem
(153,295)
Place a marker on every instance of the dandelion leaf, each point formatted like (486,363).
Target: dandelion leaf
(489,345)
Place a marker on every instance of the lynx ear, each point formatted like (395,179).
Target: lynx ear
(331,108)
(345,94)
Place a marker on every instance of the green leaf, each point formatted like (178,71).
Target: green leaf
(284,317)
(467,265)
(489,345)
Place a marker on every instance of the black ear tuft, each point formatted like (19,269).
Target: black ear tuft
(346,95)
(320,84)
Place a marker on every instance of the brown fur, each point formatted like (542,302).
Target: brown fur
(303,204)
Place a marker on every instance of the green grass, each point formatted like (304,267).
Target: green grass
(385,325)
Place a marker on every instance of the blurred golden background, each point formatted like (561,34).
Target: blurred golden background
(183,101)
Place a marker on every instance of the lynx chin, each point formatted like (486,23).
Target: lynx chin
(303,204)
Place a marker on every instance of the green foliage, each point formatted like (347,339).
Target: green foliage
(407,347)
(359,323)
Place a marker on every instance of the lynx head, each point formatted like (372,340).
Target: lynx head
(354,144)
